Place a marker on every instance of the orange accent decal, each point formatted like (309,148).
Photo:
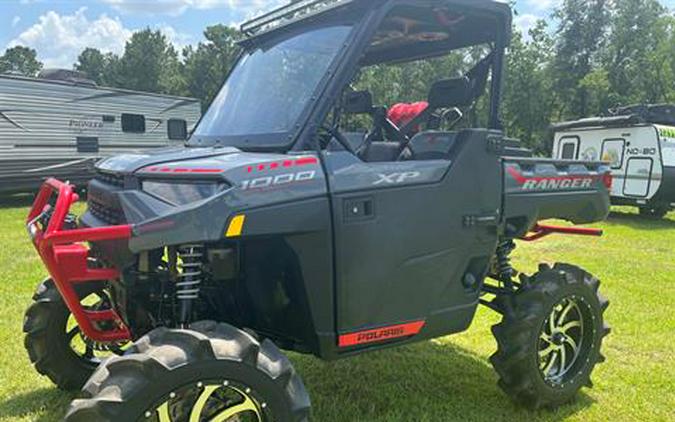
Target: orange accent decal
(381,334)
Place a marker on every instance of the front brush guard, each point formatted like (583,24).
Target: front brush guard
(66,257)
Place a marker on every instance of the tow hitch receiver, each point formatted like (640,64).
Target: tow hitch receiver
(66,256)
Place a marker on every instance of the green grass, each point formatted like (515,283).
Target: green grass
(441,380)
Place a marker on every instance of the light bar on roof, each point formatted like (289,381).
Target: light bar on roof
(289,12)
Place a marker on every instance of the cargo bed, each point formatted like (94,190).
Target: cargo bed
(538,189)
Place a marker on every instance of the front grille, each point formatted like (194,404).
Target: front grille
(116,180)
(108,215)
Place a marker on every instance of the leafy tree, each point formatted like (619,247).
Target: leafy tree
(20,59)
(101,68)
(663,58)
(634,68)
(150,63)
(528,99)
(580,38)
(206,66)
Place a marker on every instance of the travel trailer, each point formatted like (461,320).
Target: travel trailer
(639,142)
(60,125)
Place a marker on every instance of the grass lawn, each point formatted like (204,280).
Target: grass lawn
(442,380)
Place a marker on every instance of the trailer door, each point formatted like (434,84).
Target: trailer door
(638,177)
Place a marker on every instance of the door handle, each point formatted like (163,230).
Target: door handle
(481,220)
(358,209)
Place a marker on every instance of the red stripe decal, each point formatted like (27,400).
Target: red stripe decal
(381,334)
(259,167)
(306,161)
(206,171)
(180,170)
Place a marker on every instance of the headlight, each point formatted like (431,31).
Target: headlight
(182,193)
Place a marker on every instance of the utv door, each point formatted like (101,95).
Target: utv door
(407,233)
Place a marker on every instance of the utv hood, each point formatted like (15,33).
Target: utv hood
(130,163)
(130,188)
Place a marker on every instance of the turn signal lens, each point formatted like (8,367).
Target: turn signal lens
(236,226)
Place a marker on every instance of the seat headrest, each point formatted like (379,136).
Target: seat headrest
(448,93)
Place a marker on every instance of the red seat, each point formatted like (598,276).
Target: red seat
(403,113)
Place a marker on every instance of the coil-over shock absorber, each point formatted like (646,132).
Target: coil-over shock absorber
(503,268)
(189,279)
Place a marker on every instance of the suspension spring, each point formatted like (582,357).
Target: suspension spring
(504,269)
(189,279)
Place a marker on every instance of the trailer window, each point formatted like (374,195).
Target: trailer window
(177,129)
(133,123)
(569,152)
(569,147)
(87,144)
(612,152)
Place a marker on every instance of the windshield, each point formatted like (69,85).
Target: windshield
(270,87)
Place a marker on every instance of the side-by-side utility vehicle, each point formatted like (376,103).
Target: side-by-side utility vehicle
(278,226)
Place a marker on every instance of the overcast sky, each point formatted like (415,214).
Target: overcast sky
(60,29)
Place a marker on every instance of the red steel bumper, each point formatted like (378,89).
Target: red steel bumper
(65,254)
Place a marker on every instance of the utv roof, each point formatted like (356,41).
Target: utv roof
(662,114)
(472,22)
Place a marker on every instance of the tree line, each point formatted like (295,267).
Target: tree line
(589,57)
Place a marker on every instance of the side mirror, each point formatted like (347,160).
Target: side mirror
(451,93)
(358,102)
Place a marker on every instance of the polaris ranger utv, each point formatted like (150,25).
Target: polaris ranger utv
(277,228)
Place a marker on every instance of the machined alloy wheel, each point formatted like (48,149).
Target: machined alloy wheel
(55,344)
(550,338)
(211,372)
(563,341)
(213,401)
(85,348)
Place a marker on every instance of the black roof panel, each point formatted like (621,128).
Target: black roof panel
(484,21)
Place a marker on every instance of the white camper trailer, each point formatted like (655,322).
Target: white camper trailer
(60,124)
(639,142)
